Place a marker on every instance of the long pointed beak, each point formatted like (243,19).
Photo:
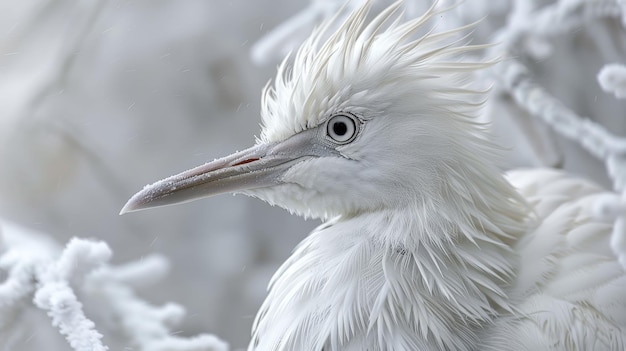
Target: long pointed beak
(257,167)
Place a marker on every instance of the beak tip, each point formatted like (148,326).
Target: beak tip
(128,207)
(133,204)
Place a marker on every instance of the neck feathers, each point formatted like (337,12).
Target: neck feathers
(429,276)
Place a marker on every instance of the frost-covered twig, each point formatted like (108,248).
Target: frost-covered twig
(529,27)
(55,295)
(539,103)
(66,312)
(613,208)
(17,284)
(20,255)
(56,278)
(146,326)
(612,79)
(558,18)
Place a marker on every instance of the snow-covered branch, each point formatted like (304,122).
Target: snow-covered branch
(147,326)
(55,295)
(539,103)
(53,279)
(612,79)
(532,26)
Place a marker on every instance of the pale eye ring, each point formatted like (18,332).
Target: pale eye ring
(342,128)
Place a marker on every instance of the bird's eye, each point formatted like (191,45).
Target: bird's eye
(342,128)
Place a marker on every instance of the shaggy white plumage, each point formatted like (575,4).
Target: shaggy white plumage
(426,245)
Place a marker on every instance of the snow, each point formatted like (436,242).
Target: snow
(612,79)
(53,279)
(56,296)
(72,150)
(67,314)
(613,208)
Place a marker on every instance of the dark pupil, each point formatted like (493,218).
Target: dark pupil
(340,128)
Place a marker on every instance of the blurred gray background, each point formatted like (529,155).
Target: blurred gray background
(99,98)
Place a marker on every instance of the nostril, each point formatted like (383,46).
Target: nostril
(245,161)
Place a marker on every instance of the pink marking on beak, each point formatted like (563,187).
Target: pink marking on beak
(245,161)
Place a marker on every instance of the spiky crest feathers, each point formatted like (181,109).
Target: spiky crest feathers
(337,71)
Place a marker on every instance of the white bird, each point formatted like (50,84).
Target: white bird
(427,245)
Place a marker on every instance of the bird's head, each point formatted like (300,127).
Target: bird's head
(368,117)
